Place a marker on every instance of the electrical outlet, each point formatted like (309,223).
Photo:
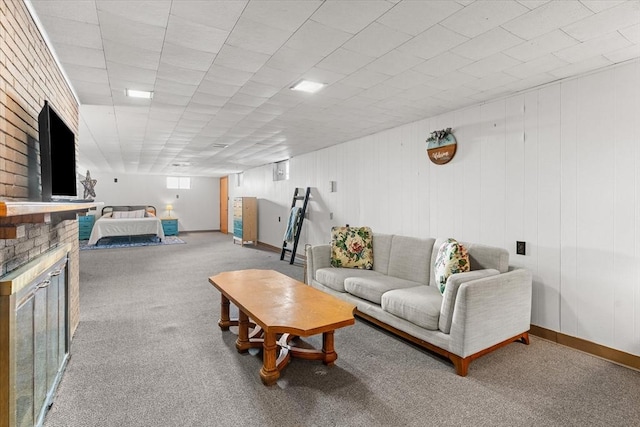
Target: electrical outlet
(278,219)
(521,248)
(330,215)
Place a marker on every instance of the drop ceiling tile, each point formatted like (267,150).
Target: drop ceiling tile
(594,47)
(219,89)
(623,15)
(218,14)
(532,4)
(578,68)
(181,32)
(87,74)
(600,5)
(487,44)
(179,74)
(240,59)
(394,62)
(87,89)
(170,86)
(340,91)
(277,78)
(345,61)
(322,76)
(221,74)
(79,10)
(364,79)
(257,37)
(66,31)
(381,91)
(451,80)
(247,100)
(120,73)
(546,18)
(490,65)
(540,46)
(442,64)
(536,66)
(182,56)
(259,89)
(376,40)
(420,92)
(350,17)
(145,12)
(414,17)
(171,99)
(625,54)
(144,36)
(289,59)
(432,42)
(208,99)
(77,55)
(283,14)
(408,79)
(130,55)
(482,16)
(631,33)
(317,38)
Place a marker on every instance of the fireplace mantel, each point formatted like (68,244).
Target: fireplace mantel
(13,215)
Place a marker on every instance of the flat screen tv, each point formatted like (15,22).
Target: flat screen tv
(57,156)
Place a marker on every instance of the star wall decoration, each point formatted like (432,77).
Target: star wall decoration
(89,186)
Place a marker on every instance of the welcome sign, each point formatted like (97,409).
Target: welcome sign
(441,146)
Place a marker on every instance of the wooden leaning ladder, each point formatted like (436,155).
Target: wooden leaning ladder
(299,219)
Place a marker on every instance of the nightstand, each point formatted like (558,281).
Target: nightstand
(170,226)
(85,225)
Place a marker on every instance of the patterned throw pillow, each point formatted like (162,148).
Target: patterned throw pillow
(452,258)
(352,247)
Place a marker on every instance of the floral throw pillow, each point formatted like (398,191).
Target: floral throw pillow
(352,247)
(452,258)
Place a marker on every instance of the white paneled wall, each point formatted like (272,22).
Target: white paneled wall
(556,167)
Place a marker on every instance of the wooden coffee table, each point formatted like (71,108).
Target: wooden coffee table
(279,309)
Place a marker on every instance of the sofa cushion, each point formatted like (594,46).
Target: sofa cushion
(452,258)
(371,288)
(334,277)
(410,257)
(480,257)
(352,247)
(381,249)
(419,305)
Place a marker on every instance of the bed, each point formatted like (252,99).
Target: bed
(126,221)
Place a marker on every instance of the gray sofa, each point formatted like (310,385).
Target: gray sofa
(480,310)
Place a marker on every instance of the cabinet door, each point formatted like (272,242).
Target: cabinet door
(24,363)
(40,350)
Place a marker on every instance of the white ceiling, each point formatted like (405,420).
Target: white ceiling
(221,70)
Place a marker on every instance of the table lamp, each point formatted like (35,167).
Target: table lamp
(169,208)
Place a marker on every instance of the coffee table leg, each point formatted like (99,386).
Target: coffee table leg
(242,343)
(269,372)
(224,321)
(330,355)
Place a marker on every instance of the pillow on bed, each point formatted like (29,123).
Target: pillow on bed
(137,214)
(129,214)
(107,215)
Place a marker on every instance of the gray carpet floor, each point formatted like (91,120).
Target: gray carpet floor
(148,352)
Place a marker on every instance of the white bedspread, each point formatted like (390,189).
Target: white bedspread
(106,227)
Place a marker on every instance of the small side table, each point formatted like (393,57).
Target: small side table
(170,226)
(85,225)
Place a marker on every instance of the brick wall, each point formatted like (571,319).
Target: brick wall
(28,77)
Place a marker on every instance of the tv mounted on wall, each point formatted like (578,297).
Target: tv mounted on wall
(57,156)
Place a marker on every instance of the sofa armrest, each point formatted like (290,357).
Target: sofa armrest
(318,256)
(491,310)
(451,292)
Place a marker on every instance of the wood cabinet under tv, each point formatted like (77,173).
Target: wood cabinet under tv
(34,337)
